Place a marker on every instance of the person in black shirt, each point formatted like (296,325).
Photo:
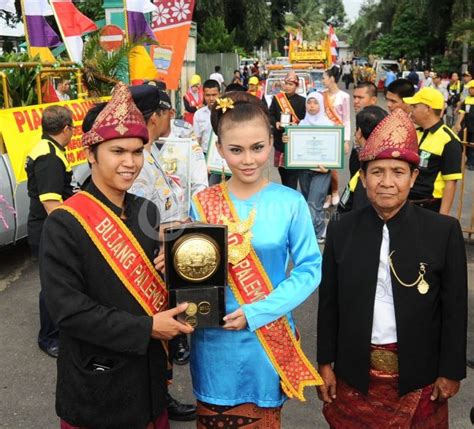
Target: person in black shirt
(112,361)
(298,105)
(440,153)
(49,184)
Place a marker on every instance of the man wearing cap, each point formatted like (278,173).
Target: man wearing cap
(102,290)
(440,153)
(287,102)
(254,87)
(465,121)
(193,99)
(392,320)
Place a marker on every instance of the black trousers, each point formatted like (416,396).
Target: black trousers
(289,177)
(48,335)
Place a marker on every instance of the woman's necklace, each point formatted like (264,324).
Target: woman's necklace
(239,231)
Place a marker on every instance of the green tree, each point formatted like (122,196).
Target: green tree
(408,38)
(333,12)
(92,9)
(214,37)
(307,16)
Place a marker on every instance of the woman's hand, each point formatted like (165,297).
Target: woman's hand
(284,138)
(235,321)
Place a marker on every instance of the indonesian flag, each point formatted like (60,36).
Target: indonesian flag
(141,64)
(73,25)
(332,43)
(39,34)
(171,23)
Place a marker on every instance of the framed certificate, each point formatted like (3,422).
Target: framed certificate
(313,146)
(214,161)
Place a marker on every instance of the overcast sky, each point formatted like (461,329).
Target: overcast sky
(352,8)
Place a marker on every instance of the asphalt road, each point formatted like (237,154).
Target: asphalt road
(27,375)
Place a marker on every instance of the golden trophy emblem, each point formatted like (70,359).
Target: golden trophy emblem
(196,272)
(196,257)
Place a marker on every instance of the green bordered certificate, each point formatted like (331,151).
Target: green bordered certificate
(312,146)
(214,161)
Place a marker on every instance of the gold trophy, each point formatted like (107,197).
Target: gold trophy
(196,272)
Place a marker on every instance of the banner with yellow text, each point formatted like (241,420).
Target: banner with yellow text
(20,130)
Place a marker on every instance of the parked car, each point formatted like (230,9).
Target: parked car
(381,68)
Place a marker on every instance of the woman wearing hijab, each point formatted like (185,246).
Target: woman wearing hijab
(315,183)
(193,99)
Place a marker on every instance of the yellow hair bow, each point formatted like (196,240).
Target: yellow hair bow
(224,104)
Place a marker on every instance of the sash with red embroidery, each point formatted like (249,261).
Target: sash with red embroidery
(286,107)
(250,283)
(120,249)
(330,111)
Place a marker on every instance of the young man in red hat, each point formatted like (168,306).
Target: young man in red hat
(392,318)
(288,102)
(104,294)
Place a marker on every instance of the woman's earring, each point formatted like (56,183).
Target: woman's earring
(223,178)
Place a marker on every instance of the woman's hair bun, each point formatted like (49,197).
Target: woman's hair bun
(245,107)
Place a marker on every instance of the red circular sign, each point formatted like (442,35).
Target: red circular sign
(111,38)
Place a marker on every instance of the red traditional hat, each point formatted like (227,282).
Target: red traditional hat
(292,77)
(393,138)
(119,119)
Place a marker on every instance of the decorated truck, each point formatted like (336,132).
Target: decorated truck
(20,130)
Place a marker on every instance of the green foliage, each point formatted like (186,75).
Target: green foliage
(252,22)
(20,80)
(102,70)
(214,37)
(92,9)
(308,17)
(333,12)
(417,29)
(276,54)
(408,37)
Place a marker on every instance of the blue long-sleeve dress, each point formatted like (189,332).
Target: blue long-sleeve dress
(231,367)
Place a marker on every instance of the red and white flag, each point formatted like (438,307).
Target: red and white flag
(73,25)
(332,40)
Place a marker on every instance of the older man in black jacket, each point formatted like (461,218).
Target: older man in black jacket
(393,299)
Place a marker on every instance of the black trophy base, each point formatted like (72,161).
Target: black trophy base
(206,307)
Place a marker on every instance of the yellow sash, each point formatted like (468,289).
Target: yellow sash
(121,250)
(250,283)
(286,107)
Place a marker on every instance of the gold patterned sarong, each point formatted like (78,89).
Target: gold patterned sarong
(382,408)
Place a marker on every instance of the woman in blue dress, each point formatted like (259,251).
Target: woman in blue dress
(242,373)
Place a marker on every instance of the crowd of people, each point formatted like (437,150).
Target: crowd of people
(392,316)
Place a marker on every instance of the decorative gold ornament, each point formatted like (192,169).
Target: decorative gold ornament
(191,321)
(237,252)
(196,257)
(204,307)
(192,309)
(422,285)
(224,104)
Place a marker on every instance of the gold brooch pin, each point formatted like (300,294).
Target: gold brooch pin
(224,104)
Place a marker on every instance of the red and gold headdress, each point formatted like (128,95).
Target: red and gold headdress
(119,119)
(393,138)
